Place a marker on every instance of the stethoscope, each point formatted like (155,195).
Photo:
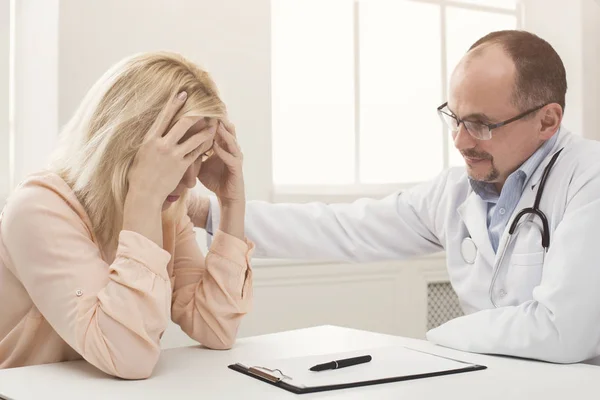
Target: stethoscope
(469,249)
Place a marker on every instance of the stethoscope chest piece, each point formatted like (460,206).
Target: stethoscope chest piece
(468,249)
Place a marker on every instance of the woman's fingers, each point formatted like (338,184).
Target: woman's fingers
(201,142)
(194,154)
(231,144)
(161,124)
(178,131)
(202,139)
(230,127)
(227,158)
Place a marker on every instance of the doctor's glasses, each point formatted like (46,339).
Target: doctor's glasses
(478,130)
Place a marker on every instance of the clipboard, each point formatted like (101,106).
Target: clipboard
(389,364)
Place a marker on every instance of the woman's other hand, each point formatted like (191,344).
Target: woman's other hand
(222,173)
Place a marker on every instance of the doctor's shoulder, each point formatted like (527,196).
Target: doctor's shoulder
(456,182)
(456,176)
(445,191)
(580,163)
(585,152)
(452,182)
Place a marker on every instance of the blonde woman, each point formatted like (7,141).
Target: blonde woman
(98,252)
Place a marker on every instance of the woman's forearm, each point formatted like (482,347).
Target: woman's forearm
(142,214)
(232,218)
(198,209)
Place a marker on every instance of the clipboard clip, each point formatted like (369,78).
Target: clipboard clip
(269,375)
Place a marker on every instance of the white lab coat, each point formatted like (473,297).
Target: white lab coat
(548,304)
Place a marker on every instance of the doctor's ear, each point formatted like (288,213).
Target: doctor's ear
(551,117)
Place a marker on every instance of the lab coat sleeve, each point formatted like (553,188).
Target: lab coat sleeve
(398,226)
(561,323)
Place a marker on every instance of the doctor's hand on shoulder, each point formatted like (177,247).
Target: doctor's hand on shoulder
(222,174)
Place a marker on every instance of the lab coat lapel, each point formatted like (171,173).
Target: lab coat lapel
(530,190)
(527,198)
(537,175)
(473,213)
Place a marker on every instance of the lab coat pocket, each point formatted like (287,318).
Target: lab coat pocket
(525,259)
(524,274)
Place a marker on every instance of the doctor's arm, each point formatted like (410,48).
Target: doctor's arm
(398,226)
(562,322)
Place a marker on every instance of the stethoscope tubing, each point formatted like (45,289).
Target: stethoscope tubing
(535,210)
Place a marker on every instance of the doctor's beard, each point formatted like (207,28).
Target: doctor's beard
(492,174)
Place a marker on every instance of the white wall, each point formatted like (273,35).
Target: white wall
(4,42)
(230,38)
(36,85)
(388,297)
(571,27)
(591,67)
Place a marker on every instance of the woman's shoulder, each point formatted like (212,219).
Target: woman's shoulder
(39,194)
(41,186)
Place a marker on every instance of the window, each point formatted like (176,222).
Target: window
(356,83)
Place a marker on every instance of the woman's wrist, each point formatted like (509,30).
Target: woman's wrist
(232,218)
(142,214)
(198,210)
(139,201)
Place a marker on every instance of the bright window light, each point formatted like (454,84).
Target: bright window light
(356,83)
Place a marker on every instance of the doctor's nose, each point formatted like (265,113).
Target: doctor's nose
(463,139)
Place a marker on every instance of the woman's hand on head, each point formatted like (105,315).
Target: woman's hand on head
(222,173)
(162,160)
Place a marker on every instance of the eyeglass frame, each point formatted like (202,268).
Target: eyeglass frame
(489,126)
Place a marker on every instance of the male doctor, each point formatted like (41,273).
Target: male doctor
(532,294)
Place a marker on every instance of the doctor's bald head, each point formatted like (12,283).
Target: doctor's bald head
(540,76)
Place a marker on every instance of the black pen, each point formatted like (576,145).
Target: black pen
(347,362)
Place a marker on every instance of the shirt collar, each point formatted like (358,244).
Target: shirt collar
(533,162)
(487,191)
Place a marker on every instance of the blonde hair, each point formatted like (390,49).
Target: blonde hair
(100,141)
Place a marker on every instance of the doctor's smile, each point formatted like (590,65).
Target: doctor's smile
(475,159)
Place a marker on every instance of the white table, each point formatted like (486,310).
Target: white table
(199,373)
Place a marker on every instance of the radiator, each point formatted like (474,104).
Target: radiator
(442,304)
